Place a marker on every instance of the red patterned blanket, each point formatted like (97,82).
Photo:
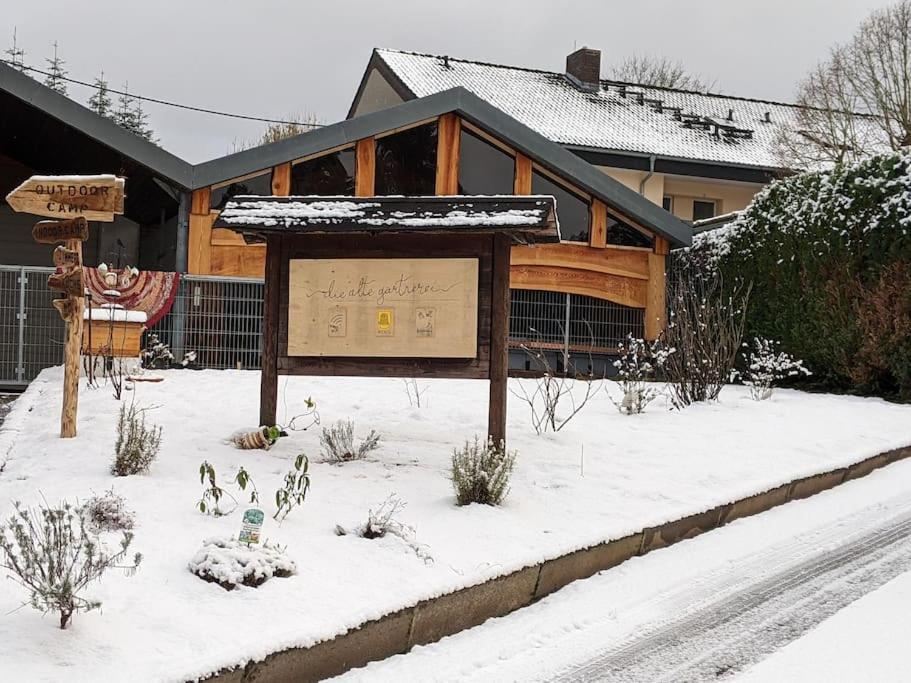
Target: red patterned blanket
(151,291)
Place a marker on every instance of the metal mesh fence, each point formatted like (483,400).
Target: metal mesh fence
(220,319)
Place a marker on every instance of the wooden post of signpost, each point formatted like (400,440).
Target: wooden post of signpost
(77,199)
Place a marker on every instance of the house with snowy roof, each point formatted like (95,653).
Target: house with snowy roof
(699,155)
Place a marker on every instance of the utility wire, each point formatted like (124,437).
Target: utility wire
(154,100)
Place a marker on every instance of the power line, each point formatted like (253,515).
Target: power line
(19,65)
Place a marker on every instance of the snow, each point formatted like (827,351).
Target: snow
(863,643)
(604,476)
(117,315)
(231,563)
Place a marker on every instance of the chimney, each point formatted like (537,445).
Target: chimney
(583,67)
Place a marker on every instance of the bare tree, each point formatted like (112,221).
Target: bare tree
(657,71)
(857,101)
(295,124)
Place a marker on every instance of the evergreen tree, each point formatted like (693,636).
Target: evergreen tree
(130,115)
(100,101)
(16,55)
(56,73)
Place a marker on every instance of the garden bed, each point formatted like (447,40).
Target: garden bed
(604,476)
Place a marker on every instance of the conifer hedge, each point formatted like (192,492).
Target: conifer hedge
(829,256)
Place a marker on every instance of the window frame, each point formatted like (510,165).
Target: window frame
(713,202)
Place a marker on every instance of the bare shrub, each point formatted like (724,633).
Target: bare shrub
(481,472)
(635,369)
(766,366)
(52,553)
(704,331)
(107,512)
(384,521)
(137,444)
(338,443)
(414,391)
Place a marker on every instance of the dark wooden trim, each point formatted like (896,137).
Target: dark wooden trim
(499,334)
(268,386)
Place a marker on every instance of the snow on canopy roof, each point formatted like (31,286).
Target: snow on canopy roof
(619,117)
(528,218)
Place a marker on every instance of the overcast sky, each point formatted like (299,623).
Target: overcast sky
(269,58)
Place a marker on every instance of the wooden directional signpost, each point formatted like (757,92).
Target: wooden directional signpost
(76,200)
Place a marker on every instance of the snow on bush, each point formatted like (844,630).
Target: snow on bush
(480,472)
(765,366)
(636,366)
(107,512)
(54,556)
(338,443)
(823,251)
(230,563)
(137,444)
(384,522)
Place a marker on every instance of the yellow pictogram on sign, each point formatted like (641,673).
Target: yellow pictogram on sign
(385,322)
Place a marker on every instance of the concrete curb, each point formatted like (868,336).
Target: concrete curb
(431,620)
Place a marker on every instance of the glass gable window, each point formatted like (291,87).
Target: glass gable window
(258,185)
(483,167)
(572,210)
(332,174)
(625,235)
(703,209)
(406,162)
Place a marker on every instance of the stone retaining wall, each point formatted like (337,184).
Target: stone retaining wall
(431,620)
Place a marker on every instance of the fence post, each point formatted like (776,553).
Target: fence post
(566,336)
(20,316)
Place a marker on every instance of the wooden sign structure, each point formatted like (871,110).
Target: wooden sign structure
(389,286)
(77,199)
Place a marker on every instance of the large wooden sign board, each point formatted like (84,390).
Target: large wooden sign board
(392,308)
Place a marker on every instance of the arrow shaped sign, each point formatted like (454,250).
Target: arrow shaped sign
(95,198)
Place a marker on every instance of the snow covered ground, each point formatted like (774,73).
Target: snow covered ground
(604,476)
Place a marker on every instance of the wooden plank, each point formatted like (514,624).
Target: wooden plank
(662,246)
(281,180)
(199,247)
(51,232)
(118,339)
(620,262)
(621,290)
(656,298)
(238,260)
(522,184)
(199,203)
(71,359)
(599,224)
(365,168)
(95,198)
(268,384)
(448,148)
(499,337)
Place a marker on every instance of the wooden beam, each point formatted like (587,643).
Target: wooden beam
(598,233)
(621,290)
(71,357)
(365,168)
(499,335)
(522,183)
(281,180)
(199,258)
(662,246)
(620,262)
(656,297)
(448,144)
(199,204)
(268,383)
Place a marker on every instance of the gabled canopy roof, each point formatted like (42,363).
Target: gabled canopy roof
(528,219)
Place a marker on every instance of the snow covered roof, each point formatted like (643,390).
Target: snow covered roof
(527,218)
(617,118)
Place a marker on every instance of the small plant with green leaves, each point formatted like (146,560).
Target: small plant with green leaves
(481,471)
(212,495)
(54,555)
(244,480)
(293,493)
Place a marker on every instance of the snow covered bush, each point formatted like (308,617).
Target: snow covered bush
(338,443)
(636,366)
(480,472)
(137,444)
(156,355)
(230,563)
(765,366)
(823,251)
(384,522)
(294,491)
(107,512)
(52,553)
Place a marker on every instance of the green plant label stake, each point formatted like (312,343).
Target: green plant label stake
(251,526)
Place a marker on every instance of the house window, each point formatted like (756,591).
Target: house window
(406,162)
(703,209)
(484,168)
(623,234)
(256,185)
(668,204)
(572,210)
(332,174)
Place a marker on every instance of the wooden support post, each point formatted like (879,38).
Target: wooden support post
(365,168)
(448,139)
(71,356)
(199,257)
(522,184)
(268,384)
(499,333)
(598,236)
(281,180)
(656,296)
